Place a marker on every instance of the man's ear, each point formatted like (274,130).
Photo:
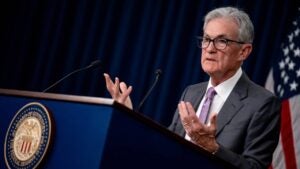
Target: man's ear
(245,51)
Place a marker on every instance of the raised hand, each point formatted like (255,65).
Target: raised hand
(118,90)
(200,134)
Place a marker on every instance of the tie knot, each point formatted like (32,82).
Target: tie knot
(211,93)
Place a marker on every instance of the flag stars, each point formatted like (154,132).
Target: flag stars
(295,23)
(297,31)
(281,64)
(292,45)
(297,52)
(293,86)
(282,74)
(281,93)
(298,72)
(279,87)
(291,65)
(280,90)
(290,36)
(286,51)
(287,60)
(285,79)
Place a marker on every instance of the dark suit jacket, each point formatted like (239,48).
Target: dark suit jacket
(248,124)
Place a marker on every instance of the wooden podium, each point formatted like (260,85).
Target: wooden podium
(97,133)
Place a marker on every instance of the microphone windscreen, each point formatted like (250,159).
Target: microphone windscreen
(158,72)
(95,63)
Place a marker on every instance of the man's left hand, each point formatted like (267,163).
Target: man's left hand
(200,134)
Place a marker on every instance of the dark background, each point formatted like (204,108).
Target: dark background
(43,40)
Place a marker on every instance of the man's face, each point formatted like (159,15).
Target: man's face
(222,64)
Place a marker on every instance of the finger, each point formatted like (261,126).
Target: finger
(186,120)
(110,86)
(191,110)
(128,91)
(116,88)
(123,87)
(183,112)
(108,80)
(213,122)
(117,83)
(125,92)
(196,124)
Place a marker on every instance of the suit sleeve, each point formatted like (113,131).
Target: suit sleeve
(176,122)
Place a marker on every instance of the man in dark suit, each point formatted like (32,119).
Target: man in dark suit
(229,115)
(247,127)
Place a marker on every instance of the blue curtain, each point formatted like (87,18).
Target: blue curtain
(43,40)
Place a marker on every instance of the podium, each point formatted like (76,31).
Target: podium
(92,133)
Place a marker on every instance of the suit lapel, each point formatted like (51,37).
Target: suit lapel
(198,96)
(233,104)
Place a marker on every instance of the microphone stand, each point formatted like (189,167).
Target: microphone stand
(158,72)
(93,64)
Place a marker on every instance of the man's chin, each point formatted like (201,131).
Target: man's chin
(209,71)
(214,73)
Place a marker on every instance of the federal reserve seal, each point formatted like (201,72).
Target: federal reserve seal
(28,137)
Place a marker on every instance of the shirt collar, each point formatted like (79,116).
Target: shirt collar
(225,88)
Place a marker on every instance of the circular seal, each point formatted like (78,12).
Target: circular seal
(28,136)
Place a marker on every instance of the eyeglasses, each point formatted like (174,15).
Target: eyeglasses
(219,43)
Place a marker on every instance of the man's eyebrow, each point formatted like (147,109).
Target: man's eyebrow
(219,36)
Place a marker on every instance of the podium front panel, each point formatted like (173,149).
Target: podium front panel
(79,131)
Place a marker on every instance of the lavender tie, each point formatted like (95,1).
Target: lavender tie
(206,105)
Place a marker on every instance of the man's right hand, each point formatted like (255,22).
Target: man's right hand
(118,91)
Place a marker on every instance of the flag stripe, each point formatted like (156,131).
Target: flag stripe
(287,136)
(278,161)
(295,107)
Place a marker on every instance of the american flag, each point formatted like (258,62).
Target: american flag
(284,81)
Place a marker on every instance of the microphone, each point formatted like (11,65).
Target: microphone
(158,73)
(91,65)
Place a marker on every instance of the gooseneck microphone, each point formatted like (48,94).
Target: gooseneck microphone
(158,73)
(93,64)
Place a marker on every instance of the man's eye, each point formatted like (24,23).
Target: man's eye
(221,40)
(205,40)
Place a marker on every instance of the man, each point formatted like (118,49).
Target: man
(229,115)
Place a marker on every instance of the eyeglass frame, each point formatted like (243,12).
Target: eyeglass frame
(200,42)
